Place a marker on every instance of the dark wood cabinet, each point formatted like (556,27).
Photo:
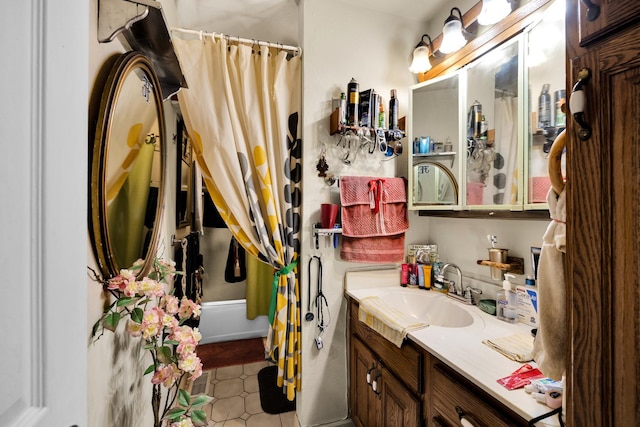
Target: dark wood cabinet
(603,219)
(599,18)
(408,387)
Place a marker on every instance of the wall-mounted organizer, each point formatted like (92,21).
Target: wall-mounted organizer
(513,265)
(331,232)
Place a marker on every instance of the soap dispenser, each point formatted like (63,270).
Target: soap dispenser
(507,308)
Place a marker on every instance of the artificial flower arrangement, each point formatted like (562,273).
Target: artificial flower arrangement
(158,318)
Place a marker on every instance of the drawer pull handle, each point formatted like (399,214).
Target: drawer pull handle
(465,420)
(369,374)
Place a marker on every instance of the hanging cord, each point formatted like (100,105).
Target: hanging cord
(558,411)
(309,316)
(322,307)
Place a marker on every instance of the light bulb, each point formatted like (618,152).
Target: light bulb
(493,11)
(452,37)
(420,63)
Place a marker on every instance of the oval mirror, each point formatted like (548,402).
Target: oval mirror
(128,165)
(434,184)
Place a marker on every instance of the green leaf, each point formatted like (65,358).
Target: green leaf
(137,314)
(94,330)
(164,354)
(184,398)
(149,346)
(126,301)
(199,417)
(111,321)
(201,400)
(171,342)
(175,413)
(150,369)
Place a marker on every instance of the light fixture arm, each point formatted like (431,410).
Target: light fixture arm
(423,43)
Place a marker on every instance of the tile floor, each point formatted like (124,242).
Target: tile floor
(236,400)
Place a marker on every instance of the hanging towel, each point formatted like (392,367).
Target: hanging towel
(550,344)
(374,219)
(388,321)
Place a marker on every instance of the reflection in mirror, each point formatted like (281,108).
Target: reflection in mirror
(434,184)
(492,128)
(127,176)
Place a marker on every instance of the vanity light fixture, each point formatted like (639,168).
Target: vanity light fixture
(421,63)
(493,11)
(453,37)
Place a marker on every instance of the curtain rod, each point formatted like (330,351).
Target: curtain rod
(296,50)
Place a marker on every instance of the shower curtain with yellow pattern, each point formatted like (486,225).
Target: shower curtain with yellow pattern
(242,110)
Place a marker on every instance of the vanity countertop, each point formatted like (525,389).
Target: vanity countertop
(461,348)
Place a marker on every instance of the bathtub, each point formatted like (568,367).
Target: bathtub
(226,321)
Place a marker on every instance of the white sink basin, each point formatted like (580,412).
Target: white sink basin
(437,310)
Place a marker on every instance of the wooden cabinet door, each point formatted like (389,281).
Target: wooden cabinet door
(399,407)
(603,224)
(614,15)
(365,404)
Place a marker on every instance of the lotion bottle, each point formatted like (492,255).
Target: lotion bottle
(507,304)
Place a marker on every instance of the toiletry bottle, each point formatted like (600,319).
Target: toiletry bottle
(343,109)
(353,101)
(506,302)
(393,111)
(527,300)
(381,118)
(544,107)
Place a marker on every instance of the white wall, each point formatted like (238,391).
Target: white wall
(341,42)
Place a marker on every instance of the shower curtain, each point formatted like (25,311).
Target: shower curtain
(502,183)
(242,110)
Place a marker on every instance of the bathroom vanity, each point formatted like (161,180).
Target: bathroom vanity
(440,374)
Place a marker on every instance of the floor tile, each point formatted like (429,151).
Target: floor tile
(227,409)
(228,388)
(264,420)
(229,372)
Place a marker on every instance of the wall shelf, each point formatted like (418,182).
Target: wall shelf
(333,232)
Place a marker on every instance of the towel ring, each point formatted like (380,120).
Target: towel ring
(555,166)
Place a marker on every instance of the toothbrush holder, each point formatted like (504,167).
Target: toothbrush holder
(497,255)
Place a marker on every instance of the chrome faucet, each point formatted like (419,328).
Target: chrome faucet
(451,284)
(458,292)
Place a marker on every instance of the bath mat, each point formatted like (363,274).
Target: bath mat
(230,353)
(272,398)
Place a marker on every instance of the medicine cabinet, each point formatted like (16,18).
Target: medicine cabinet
(489,125)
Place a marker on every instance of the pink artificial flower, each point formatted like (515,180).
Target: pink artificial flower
(185,422)
(150,288)
(189,363)
(131,288)
(169,321)
(188,308)
(170,304)
(152,322)
(197,372)
(166,375)
(121,281)
(135,329)
(169,267)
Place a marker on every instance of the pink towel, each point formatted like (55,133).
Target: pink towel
(373,206)
(374,219)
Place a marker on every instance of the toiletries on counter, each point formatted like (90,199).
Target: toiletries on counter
(393,110)
(353,102)
(527,302)
(506,303)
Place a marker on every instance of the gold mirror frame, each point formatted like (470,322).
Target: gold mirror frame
(451,183)
(128,161)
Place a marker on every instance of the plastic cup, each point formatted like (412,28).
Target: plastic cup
(328,215)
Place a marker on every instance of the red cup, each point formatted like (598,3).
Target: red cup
(328,215)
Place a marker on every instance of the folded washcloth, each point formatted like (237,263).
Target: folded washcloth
(516,347)
(388,321)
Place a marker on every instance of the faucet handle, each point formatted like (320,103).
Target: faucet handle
(469,291)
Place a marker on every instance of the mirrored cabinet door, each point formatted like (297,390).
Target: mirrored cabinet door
(545,76)
(434,130)
(493,141)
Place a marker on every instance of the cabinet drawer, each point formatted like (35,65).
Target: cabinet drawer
(450,391)
(405,362)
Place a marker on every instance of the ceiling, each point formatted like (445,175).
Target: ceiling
(239,16)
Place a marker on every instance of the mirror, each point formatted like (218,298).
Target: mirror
(492,136)
(128,165)
(434,184)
